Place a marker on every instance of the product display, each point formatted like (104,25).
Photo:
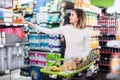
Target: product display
(69,53)
(12,41)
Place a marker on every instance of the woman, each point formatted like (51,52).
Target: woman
(76,35)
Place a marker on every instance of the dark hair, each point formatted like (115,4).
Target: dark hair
(81,18)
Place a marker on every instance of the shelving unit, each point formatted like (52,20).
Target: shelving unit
(11,25)
(12,42)
(107,31)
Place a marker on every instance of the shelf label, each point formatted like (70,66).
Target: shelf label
(14,24)
(7,24)
(7,71)
(1,45)
(17,44)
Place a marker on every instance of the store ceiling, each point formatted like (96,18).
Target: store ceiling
(102,3)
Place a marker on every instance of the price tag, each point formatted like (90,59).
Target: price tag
(7,71)
(99,47)
(1,45)
(14,24)
(7,24)
(17,44)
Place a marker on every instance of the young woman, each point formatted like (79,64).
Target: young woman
(76,35)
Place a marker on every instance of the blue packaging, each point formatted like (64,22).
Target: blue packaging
(1,14)
(36,9)
(35,73)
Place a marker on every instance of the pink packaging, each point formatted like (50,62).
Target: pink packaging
(32,53)
(41,63)
(20,32)
(9,30)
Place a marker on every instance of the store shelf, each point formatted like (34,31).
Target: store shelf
(9,25)
(51,12)
(104,40)
(8,71)
(44,50)
(18,67)
(36,66)
(14,44)
(93,26)
(37,32)
(55,23)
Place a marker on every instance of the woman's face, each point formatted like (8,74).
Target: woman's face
(73,17)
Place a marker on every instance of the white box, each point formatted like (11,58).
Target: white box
(8,15)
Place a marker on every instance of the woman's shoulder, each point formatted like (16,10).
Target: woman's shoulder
(66,26)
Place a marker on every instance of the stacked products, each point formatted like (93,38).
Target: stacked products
(42,59)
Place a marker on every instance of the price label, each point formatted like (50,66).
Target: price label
(1,45)
(17,44)
(7,71)
(7,24)
(14,24)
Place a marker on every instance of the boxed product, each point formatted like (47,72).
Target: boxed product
(35,73)
(15,57)
(3,61)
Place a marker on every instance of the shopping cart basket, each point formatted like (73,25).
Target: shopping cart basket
(69,74)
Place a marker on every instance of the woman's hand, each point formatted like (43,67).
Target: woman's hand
(29,23)
(77,60)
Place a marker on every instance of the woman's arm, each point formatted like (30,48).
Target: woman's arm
(46,30)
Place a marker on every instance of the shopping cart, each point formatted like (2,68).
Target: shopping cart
(70,75)
(67,75)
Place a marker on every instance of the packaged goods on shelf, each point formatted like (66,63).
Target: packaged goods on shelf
(118,25)
(16,18)
(91,18)
(3,60)
(107,21)
(54,17)
(44,42)
(42,17)
(39,41)
(6,10)
(117,36)
(87,7)
(15,57)
(54,43)
(6,15)
(107,43)
(12,35)
(42,59)
(82,1)
(6,4)
(32,55)
(41,56)
(3,38)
